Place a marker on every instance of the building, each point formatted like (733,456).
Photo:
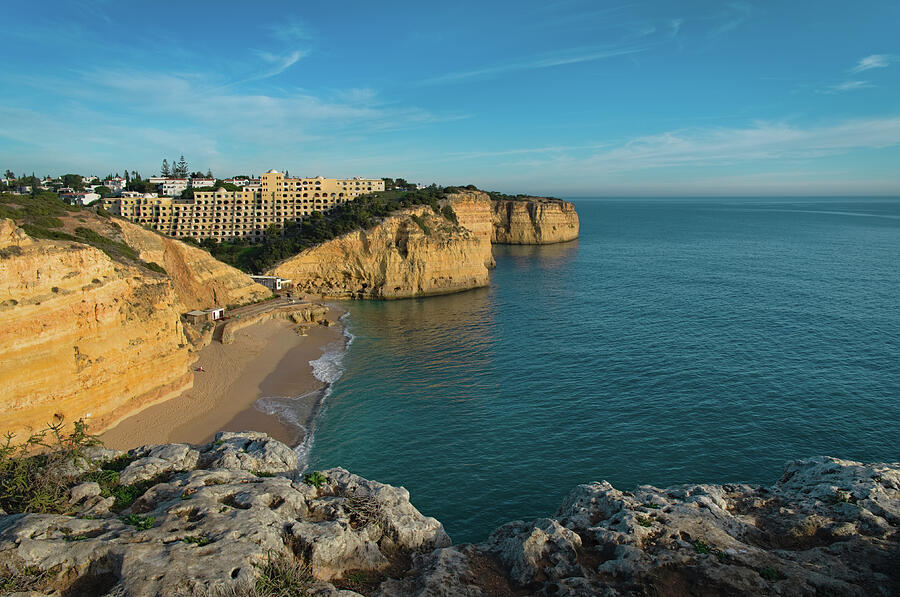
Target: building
(79,198)
(172,187)
(198,316)
(116,184)
(273,283)
(203,183)
(247,213)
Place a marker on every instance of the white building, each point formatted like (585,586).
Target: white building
(173,187)
(202,183)
(271,282)
(115,184)
(79,198)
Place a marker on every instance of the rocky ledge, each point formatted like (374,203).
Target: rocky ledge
(208,518)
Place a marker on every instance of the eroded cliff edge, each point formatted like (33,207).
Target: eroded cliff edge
(215,515)
(84,335)
(415,252)
(419,252)
(533,221)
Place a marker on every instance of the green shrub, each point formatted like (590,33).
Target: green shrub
(421,222)
(141,523)
(198,540)
(447,212)
(35,476)
(769,573)
(154,267)
(701,546)
(315,478)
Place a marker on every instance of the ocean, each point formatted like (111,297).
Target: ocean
(677,341)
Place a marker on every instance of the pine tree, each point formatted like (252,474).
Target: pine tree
(164,171)
(182,167)
(209,173)
(127,177)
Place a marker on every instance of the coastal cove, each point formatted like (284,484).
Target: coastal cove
(676,341)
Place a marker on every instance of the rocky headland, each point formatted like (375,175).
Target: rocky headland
(87,334)
(179,519)
(419,252)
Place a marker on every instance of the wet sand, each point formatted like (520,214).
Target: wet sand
(268,359)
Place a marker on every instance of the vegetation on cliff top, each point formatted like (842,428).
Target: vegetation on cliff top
(363,212)
(41,216)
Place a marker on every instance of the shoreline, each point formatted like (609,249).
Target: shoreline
(267,359)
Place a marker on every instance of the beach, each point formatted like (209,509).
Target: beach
(268,359)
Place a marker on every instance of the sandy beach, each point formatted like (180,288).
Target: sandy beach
(266,359)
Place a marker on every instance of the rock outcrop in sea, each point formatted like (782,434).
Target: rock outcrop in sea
(417,252)
(209,518)
(84,334)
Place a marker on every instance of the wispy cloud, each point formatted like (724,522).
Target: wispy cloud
(534,63)
(737,13)
(281,63)
(847,86)
(716,147)
(290,31)
(873,61)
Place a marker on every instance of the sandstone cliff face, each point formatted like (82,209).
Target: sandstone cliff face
(82,335)
(398,258)
(827,527)
(201,281)
(533,221)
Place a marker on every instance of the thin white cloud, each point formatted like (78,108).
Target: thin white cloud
(873,61)
(532,64)
(714,148)
(847,86)
(281,63)
(738,13)
(290,31)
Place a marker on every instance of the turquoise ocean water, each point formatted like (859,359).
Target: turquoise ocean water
(676,341)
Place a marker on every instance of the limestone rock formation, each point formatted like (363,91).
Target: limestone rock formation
(412,253)
(416,252)
(827,527)
(211,515)
(201,281)
(85,336)
(211,519)
(533,221)
(82,335)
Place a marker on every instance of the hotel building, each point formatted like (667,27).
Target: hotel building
(246,213)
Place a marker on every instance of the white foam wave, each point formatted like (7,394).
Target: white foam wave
(329,367)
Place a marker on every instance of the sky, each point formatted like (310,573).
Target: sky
(562,97)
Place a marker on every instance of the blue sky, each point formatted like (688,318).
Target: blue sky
(565,97)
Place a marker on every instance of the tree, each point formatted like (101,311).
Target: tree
(10,175)
(103,191)
(164,171)
(127,177)
(209,174)
(73,181)
(182,168)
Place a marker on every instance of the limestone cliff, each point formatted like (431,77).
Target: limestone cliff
(414,252)
(201,281)
(82,335)
(533,221)
(209,520)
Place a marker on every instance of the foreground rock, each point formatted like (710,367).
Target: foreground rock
(212,516)
(827,527)
(209,516)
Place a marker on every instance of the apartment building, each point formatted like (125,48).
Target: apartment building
(247,213)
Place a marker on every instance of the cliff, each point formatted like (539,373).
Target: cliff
(417,252)
(201,281)
(85,335)
(82,335)
(414,252)
(533,221)
(221,518)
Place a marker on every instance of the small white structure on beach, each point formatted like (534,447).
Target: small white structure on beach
(273,283)
(198,316)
